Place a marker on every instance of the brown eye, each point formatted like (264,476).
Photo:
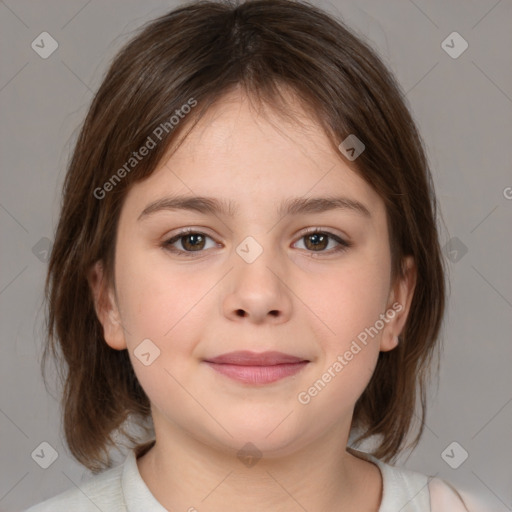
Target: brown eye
(187,242)
(318,241)
(193,242)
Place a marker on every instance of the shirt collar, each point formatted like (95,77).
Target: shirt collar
(137,497)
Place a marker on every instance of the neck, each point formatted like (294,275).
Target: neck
(183,473)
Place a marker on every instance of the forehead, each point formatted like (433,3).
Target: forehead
(250,154)
(239,127)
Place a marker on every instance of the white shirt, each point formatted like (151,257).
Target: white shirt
(122,489)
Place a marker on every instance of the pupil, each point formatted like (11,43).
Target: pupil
(195,238)
(317,237)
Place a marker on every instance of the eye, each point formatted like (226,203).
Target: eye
(317,240)
(190,241)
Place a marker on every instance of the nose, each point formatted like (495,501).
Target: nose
(257,292)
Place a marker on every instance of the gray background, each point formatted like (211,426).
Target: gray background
(464,110)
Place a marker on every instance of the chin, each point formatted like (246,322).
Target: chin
(263,438)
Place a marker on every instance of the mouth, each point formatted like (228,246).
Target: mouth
(253,368)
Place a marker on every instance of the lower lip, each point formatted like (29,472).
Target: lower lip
(258,374)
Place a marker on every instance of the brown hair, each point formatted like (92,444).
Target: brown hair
(201,51)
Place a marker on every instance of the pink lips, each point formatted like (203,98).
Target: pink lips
(253,368)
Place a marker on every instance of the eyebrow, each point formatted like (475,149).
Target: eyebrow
(291,206)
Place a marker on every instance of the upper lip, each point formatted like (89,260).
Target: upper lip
(247,358)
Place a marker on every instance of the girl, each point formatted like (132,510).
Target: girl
(247,266)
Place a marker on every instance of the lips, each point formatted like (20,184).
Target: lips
(246,358)
(257,368)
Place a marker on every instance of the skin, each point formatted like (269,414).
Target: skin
(296,300)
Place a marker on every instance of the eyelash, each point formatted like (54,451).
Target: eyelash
(343,245)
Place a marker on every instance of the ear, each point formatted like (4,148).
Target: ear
(106,307)
(399,304)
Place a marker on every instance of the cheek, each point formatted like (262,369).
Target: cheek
(350,299)
(153,299)
(162,307)
(358,297)
(334,391)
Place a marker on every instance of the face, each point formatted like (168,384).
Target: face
(311,283)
